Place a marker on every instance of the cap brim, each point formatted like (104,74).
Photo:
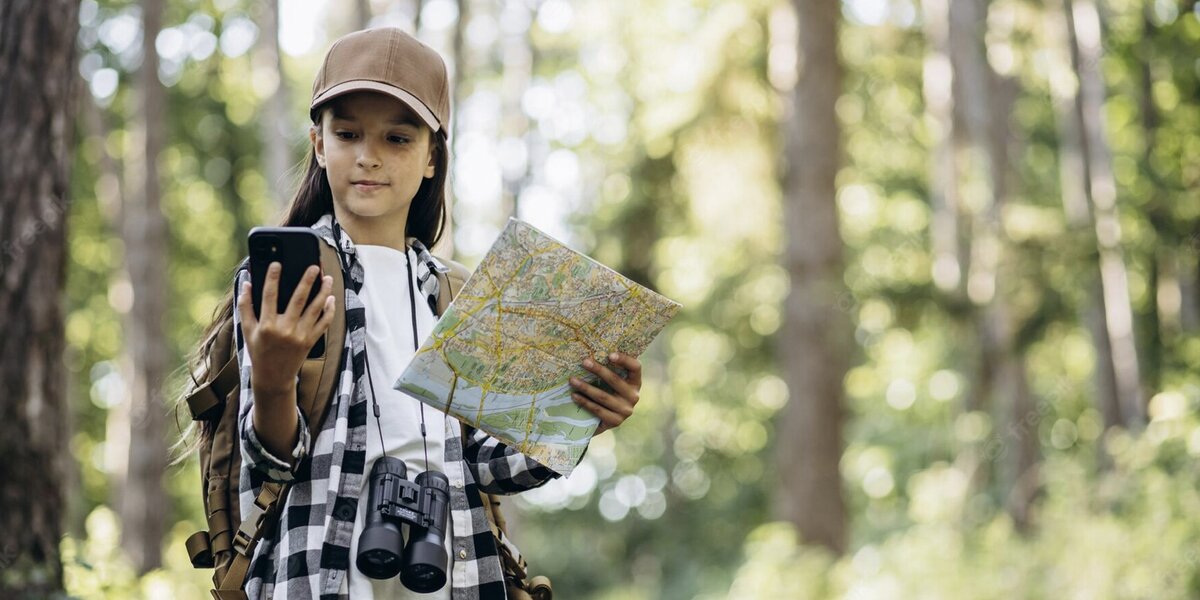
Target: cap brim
(366,85)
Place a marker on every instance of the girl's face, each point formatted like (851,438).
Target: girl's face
(375,151)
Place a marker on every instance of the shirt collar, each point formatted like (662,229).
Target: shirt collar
(426,267)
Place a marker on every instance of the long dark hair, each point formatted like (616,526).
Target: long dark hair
(426,221)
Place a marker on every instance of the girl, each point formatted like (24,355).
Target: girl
(374,190)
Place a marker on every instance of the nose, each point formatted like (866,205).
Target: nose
(368,157)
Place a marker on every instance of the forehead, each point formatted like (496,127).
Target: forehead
(370,106)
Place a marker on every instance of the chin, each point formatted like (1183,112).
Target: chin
(368,208)
(364,207)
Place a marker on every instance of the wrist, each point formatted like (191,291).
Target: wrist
(273,394)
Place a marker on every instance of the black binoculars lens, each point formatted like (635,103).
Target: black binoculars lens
(423,578)
(395,502)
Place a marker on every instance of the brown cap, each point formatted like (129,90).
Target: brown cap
(389,61)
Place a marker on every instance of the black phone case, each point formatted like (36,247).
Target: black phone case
(295,248)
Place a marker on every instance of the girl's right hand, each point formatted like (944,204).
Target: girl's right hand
(279,343)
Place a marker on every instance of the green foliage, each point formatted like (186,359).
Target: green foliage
(677,503)
(1127,534)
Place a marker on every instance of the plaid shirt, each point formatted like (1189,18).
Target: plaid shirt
(309,553)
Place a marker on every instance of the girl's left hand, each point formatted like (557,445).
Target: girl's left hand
(612,408)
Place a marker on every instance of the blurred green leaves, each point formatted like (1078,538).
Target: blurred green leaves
(677,179)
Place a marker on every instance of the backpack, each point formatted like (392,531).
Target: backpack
(228,544)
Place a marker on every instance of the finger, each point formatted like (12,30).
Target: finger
(245,306)
(632,366)
(313,311)
(322,324)
(270,293)
(608,418)
(610,377)
(616,404)
(299,297)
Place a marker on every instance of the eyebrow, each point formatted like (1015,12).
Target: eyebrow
(395,120)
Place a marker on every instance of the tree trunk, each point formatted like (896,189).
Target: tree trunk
(815,341)
(38,68)
(274,123)
(1189,288)
(987,99)
(938,85)
(362,14)
(459,65)
(144,500)
(1159,315)
(517,59)
(1073,177)
(1083,35)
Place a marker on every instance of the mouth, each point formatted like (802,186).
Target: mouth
(368,184)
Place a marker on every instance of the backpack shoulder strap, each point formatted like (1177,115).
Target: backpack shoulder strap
(451,280)
(319,373)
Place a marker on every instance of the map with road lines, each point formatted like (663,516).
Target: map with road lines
(501,357)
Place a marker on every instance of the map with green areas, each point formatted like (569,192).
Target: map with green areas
(501,357)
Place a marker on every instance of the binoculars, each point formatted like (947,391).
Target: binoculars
(395,501)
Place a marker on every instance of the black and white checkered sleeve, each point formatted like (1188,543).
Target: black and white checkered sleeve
(254,454)
(500,469)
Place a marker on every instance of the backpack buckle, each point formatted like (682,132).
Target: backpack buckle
(252,525)
(202,402)
(211,395)
(244,537)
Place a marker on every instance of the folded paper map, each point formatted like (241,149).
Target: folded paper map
(501,357)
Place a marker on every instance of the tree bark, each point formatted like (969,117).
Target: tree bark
(276,128)
(144,500)
(815,341)
(38,68)
(1083,37)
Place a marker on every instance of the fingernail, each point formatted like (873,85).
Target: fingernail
(614,356)
(587,362)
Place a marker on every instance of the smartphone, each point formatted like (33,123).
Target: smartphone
(295,249)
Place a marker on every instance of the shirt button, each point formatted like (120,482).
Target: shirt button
(458,485)
(462,553)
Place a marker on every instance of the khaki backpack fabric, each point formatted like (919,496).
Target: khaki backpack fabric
(228,544)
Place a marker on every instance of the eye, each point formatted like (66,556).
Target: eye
(398,139)
(344,135)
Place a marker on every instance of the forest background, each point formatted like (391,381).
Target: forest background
(939,260)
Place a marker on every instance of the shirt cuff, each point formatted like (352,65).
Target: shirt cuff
(256,456)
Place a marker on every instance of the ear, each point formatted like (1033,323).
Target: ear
(318,143)
(431,168)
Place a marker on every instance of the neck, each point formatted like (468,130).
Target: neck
(384,230)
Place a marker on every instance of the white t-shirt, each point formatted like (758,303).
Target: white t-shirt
(385,294)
